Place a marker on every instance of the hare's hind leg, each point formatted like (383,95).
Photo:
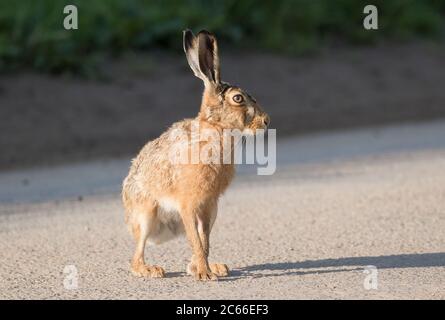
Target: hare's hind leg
(143,219)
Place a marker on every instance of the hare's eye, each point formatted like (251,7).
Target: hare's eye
(238,98)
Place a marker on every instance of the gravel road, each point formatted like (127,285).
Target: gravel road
(339,202)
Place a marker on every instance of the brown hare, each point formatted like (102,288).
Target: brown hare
(163,198)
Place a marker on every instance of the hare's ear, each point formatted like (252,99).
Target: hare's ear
(202,56)
(191,52)
(208,56)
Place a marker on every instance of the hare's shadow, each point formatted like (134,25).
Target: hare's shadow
(420,260)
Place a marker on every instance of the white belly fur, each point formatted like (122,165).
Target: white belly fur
(169,223)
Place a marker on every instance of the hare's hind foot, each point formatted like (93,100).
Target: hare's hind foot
(146,271)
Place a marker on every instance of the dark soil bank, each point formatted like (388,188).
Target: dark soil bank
(46,119)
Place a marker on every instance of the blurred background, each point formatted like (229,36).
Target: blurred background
(360,122)
(121,78)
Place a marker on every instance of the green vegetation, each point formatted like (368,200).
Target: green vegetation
(32,34)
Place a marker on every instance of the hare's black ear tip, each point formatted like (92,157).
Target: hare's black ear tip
(207,33)
(188,38)
(188,34)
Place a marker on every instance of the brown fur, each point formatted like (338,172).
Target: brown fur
(156,188)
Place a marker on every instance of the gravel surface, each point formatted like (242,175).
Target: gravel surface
(308,231)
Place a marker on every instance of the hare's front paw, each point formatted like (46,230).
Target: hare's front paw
(220,269)
(202,275)
(205,275)
(148,271)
